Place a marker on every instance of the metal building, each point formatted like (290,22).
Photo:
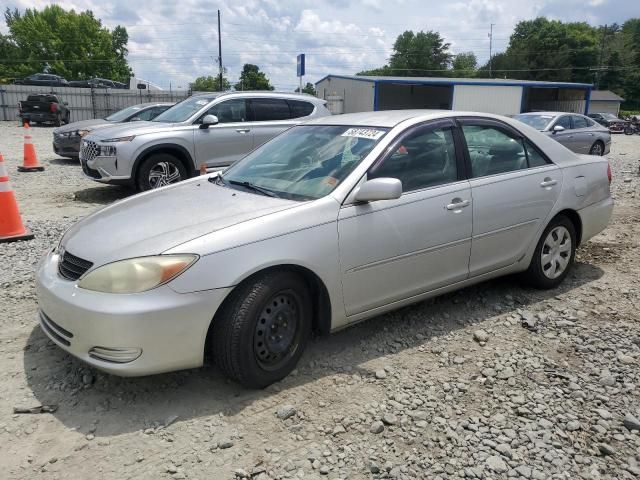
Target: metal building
(605,101)
(501,96)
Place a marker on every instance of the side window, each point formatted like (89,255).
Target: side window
(423,159)
(231,111)
(265,109)
(300,108)
(493,150)
(147,114)
(578,121)
(590,123)
(564,122)
(534,157)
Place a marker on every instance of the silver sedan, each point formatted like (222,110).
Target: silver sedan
(330,223)
(576,132)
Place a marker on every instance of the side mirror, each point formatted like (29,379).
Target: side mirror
(558,128)
(209,120)
(379,189)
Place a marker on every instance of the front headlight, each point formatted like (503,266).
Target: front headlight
(137,274)
(82,133)
(119,139)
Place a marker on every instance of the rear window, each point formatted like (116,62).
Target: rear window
(265,109)
(300,108)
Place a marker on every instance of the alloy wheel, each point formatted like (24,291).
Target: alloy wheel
(163,173)
(596,149)
(556,252)
(276,335)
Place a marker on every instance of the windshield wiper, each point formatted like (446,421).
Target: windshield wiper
(255,188)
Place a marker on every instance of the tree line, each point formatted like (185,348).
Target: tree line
(540,49)
(64,42)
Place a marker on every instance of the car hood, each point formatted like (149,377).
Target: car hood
(153,222)
(72,127)
(133,128)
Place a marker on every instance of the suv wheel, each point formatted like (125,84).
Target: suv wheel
(67,118)
(160,170)
(58,121)
(262,331)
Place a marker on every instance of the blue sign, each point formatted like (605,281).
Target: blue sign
(301,65)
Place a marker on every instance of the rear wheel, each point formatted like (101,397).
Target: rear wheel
(597,149)
(554,254)
(67,118)
(58,121)
(160,170)
(262,330)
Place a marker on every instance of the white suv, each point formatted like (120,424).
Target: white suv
(212,129)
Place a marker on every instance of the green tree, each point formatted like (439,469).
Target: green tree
(415,55)
(464,65)
(251,78)
(308,88)
(210,84)
(74,45)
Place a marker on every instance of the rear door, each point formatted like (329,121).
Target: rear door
(271,116)
(514,187)
(229,140)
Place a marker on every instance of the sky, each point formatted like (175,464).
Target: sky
(173,42)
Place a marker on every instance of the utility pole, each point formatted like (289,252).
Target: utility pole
(220,52)
(600,68)
(490,46)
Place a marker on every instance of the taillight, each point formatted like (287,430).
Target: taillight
(609,174)
(54,107)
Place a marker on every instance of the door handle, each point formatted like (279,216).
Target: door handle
(569,136)
(591,134)
(457,203)
(243,130)
(548,182)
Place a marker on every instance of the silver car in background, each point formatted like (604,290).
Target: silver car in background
(213,129)
(577,132)
(332,222)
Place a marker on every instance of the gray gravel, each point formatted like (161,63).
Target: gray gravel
(495,381)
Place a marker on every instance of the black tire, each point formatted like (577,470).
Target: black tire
(58,121)
(241,324)
(67,118)
(164,164)
(597,148)
(535,274)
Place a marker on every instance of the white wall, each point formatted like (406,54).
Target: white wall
(604,106)
(357,94)
(503,100)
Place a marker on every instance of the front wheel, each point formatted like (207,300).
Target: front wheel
(554,255)
(597,149)
(160,170)
(262,330)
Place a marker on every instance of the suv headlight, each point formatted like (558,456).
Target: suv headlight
(119,139)
(137,275)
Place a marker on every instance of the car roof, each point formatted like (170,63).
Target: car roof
(274,94)
(555,114)
(152,104)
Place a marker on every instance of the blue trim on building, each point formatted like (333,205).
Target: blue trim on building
(588,99)
(449,82)
(523,99)
(376,92)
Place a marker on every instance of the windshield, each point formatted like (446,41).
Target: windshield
(122,115)
(182,111)
(306,162)
(609,116)
(539,122)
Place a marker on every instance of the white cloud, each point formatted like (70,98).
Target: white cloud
(174,42)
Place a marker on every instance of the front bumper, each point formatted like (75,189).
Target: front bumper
(168,328)
(66,146)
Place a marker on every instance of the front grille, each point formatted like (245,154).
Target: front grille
(72,267)
(54,330)
(88,150)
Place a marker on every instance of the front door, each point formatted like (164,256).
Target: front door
(514,187)
(229,140)
(391,250)
(566,137)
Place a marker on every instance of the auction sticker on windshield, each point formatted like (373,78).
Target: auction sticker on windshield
(370,133)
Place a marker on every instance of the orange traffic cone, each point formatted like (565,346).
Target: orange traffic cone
(30,158)
(11,227)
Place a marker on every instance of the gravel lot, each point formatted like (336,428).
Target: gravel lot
(495,381)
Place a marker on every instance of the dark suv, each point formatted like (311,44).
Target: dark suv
(43,79)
